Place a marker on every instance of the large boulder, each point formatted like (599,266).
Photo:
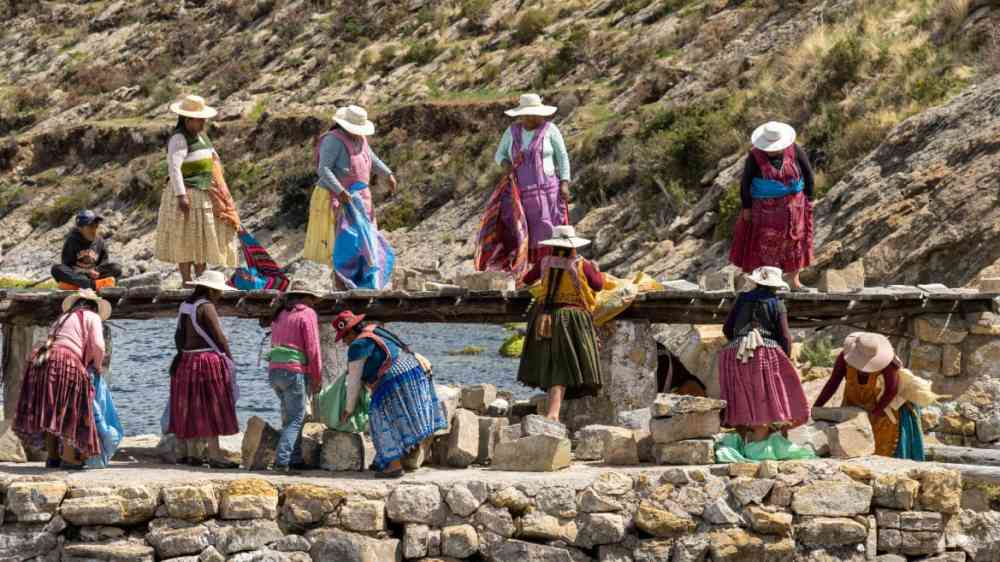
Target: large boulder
(536,453)
(334,544)
(34,502)
(344,451)
(260,444)
(249,498)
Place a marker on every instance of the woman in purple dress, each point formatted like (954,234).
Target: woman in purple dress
(534,149)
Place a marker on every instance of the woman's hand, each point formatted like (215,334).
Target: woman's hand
(745,215)
(184,204)
(344,197)
(315,387)
(564,189)
(344,415)
(392,185)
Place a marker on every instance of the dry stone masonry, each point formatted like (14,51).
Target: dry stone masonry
(817,510)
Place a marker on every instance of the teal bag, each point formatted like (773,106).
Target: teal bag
(731,449)
(330,403)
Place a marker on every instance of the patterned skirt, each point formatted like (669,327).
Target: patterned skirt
(198,238)
(780,234)
(763,391)
(58,399)
(569,358)
(404,411)
(201,397)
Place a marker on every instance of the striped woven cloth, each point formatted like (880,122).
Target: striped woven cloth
(502,244)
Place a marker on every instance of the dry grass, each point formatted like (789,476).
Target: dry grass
(951,13)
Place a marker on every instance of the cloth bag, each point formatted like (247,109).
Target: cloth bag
(732,449)
(109,426)
(330,403)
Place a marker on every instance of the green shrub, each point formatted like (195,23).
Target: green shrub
(401,213)
(62,209)
(11,196)
(477,11)
(7,282)
(245,176)
(818,352)
(569,55)
(513,346)
(730,206)
(422,52)
(530,25)
(258,110)
(24,99)
(842,63)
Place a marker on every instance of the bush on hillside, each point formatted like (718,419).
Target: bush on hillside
(401,213)
(423,52)
(530,25)
(730,206)
(477,11)
(842,63)
(25,99)
(11,196)
(62,209)
(233,77)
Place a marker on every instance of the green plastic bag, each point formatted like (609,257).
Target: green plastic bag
(731,449)
(330,403)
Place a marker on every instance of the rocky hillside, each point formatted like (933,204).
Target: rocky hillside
(893,99)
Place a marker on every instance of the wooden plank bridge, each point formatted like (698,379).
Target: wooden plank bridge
(684,304)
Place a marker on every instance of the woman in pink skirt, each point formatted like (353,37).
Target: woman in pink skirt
(202,390)
(56,405)
(775,227)
(759,384)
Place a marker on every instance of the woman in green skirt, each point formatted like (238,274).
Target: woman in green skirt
(560,350)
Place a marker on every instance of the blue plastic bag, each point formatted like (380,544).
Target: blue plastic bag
(362,257)
(248,279)
(109,426)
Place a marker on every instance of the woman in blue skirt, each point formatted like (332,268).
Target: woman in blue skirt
(405,410)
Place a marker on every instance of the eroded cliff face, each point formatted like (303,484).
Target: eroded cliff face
(893,99)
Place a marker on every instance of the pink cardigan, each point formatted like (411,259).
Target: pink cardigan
(299,329)
(71,336)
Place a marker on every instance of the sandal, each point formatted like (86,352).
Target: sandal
(53,463)
(67,466)
(392,474)
(222,465)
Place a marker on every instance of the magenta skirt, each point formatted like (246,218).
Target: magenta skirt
(58,399)
(763,391)
(780,234)
(201,397)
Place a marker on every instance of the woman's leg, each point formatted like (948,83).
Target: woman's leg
(199,268)
(793,280)
(185,269)
(69,455)
(556,394)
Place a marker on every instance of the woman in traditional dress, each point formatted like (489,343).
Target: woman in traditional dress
(404,411)
(344,164)
(534,149)
(296,368)
(761,388)
(57,399)
(873,375)
(560,350)
(202,387)
(775,226)
(198,221)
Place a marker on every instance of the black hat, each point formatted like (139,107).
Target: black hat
(87,217)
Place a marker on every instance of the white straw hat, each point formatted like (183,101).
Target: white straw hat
(354,120)
(868,352)
(769,277)
(103,306)
(531,104)
(773,136)
(565,237)
(193,106)
(213,280)
(303,287)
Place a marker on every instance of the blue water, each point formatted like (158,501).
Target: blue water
(142,351)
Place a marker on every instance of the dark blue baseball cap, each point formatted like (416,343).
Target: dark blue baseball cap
(87,217)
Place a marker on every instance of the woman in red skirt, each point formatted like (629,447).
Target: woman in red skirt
(775,227)
(57,398)
(761,388)
(202,387)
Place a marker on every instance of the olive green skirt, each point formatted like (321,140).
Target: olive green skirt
(568,358)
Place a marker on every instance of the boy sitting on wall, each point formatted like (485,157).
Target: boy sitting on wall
(85,263)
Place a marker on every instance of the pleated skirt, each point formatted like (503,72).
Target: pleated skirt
(199,237)
(201,397)
(569,358)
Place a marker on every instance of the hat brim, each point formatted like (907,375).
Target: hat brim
(103,306)
(539,111)
(778,284)
(566,242)
(787,138)
(883,356)
(207,113)
(365,130)
(208,284)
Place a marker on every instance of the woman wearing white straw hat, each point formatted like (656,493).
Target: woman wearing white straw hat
(56,403)
(876,381)
(344,163)
(534,152)
(198,221)
(202,385)
(775,225)
(761,388)
(560,350)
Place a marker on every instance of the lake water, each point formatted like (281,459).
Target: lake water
(143,350)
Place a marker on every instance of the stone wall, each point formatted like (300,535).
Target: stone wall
(820,510)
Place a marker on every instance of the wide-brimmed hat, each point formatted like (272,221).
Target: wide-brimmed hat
(354,120)
(769,277)
(868,352)
(565,237)
(345,321)
(773,136)
(531,104)
(213,280)
(303,287)
(193,106)
(103,306)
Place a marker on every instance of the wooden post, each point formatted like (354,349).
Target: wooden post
(18,343)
